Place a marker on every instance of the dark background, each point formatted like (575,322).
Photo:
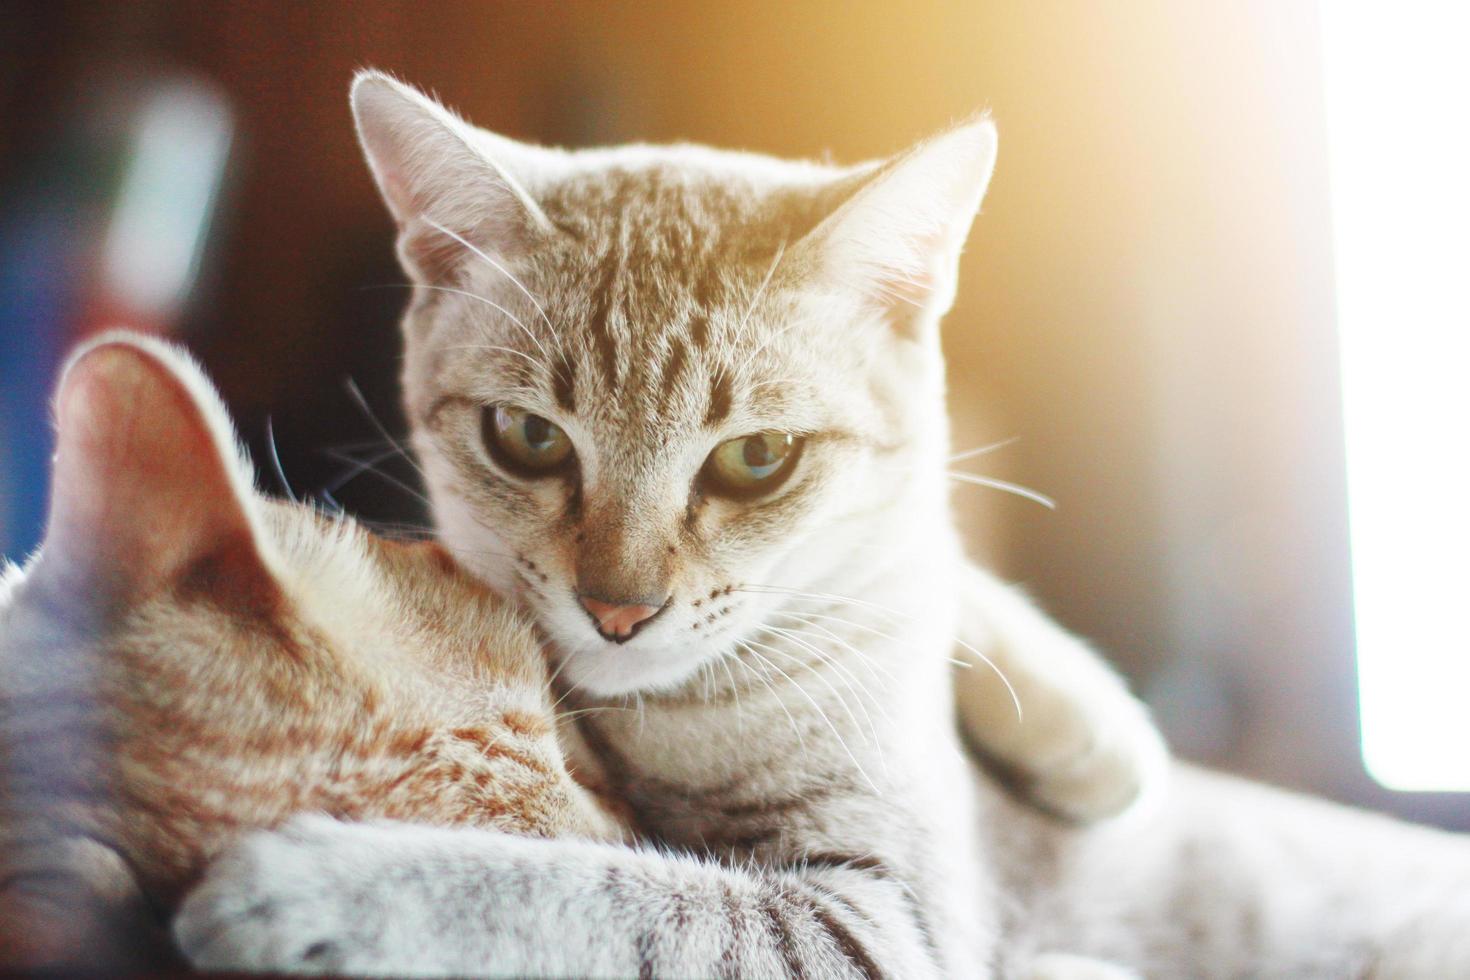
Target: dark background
(1146,301)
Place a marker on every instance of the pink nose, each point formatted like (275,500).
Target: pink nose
(617,622)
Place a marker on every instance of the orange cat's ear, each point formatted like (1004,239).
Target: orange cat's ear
(147,486)
(453,189)
(898,238)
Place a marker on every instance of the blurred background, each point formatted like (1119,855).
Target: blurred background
(1148,302)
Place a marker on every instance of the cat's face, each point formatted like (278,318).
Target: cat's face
(657,391)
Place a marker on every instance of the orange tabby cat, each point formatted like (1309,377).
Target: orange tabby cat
(184,659)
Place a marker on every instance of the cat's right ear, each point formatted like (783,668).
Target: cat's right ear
(898,238)
(147,486)
(451,188)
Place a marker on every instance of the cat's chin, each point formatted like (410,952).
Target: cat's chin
(620,671)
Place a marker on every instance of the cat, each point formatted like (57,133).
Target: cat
(184,659)
(663,268)
(687,405)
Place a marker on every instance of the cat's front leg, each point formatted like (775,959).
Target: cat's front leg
(1081,745)
(322,896)
(319,896)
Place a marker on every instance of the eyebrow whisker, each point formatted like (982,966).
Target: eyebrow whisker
(496,266)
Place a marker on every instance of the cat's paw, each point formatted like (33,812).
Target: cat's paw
(288,901)
(1081,747)
(1106,759)
(1048,711)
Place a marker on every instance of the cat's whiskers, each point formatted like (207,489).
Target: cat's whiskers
(868,661)
(809,640)
(759,292)
(357,396)
(843,620)
(472,552)
(754,647)
(853,681)
(775,695)
(380,474)
(812,668)
(1005,486)
(759,589)
(502,349)
(500,309)
(825,658)
(826,602)
(1015,699)
(982,450)
(706,674)
(328,492)
(724,661)
(397,530)
(551,684)
(576,713)
(409,531)
(333,505)
(478,299)
(496,266)
(358,445)
(771,338)
(859,691)
(270,441)
(357,468)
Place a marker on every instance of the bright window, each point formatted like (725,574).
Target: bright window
(1398,107)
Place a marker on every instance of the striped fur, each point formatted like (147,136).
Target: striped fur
(383,683)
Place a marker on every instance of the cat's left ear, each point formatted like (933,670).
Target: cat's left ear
(452,188)
(898,238)
(148,488)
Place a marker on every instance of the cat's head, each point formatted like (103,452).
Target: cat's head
(657,390)
(183,659)
(155,525)
(184,633)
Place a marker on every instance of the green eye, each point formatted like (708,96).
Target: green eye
(752,465)
(524,443)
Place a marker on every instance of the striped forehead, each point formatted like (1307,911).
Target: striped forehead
(650,286)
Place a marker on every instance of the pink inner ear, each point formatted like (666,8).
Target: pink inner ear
(141,488)
(430,255)
(918,281)
(910,291)
(396,192)
(434,257)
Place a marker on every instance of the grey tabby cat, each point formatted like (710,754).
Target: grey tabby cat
(699,398)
